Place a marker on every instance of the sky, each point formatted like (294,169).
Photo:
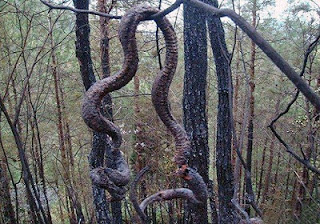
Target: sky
(281,6)
(277,10)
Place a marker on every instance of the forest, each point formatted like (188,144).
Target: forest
(159,111)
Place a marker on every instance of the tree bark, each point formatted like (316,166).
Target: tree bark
(6,209)
(194,96)
(227,212)
(251,107)
(107,100)
(99,142)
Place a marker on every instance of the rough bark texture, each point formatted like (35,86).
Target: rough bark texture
(194,95)
(107,100)
(227,213)
(99,143)
(7,213)
(114,179)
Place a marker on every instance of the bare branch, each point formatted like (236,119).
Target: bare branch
(153,17)
(133,193)
(52,6)
(168,10)
(303,160)
(169,194)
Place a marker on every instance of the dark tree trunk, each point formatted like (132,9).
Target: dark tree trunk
(7,215)
(227,213)
(269,170)
(100,142)
(194,95)
(107,101)
(262,168)
(249,189)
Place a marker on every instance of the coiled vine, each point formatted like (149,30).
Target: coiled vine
(115,180)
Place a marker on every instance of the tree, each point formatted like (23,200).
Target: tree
(7,211)
(100,144)
(194,94)
(249,190)
(227,211)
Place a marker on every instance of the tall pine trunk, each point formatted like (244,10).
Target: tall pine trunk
(194,95)
(249,189)
(227,212)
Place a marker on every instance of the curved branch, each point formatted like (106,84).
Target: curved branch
(159,94)
(169,194)
(133,193)
(303,160)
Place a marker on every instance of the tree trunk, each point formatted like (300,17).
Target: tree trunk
(194,96)
(271,156)
(227,212)
(107,101)
(251,107)
(7,215)
(262,168)
(100,142)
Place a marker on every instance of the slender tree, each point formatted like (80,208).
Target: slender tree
(251,107)
(75,205)
(227,212)
(99,142)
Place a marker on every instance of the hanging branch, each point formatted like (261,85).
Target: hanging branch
(160,101)
(289,149)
